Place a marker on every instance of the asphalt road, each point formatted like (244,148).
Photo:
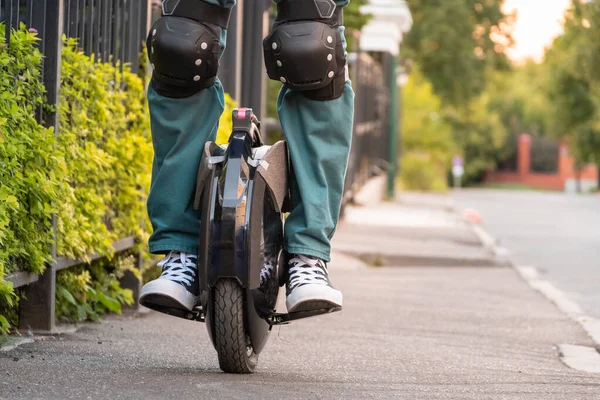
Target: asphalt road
(405,333)
(559,234)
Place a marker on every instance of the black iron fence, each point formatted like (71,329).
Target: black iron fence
(369,153)
(112,30)
(544,154)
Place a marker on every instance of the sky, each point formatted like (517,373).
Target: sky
(538,22)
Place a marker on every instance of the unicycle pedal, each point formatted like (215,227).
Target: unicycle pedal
(197,314)
(286,318)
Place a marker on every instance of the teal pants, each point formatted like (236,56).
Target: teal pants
(318,134)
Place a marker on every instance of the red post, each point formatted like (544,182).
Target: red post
(524,156)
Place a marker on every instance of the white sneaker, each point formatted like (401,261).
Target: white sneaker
(308,286)
(177,287)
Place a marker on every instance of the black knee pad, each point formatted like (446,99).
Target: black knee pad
(305,50)
(183,47)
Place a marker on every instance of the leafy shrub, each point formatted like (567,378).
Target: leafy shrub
(419,171)
(426,137)
(105,155)
(226,122)
(28,182)
(85,293)
(93,176)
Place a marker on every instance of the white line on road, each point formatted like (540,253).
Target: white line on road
(581,358)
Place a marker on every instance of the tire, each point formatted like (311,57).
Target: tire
(231,341)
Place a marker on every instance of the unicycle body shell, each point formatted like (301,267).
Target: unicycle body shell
(241,216)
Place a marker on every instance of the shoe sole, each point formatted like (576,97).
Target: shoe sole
(313,297)
(165,293)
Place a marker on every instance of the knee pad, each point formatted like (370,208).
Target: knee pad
(305,51)
(183,47)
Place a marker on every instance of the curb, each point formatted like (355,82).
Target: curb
(18,342)
(501,255)
(490,243)
(412,260)
(580,358)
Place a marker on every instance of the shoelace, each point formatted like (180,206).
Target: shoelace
(307,270)
(179,267)
(268,268)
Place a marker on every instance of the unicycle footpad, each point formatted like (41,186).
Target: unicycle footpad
(194,315)
(283,319)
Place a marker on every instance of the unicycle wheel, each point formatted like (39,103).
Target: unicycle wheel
(231,340)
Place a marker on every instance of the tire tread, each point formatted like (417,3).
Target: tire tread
(230,335)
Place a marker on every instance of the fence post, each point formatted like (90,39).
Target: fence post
(255,26)
(36,310)
(230,71)
(391,78)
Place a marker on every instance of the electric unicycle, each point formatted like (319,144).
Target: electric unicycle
(242,193)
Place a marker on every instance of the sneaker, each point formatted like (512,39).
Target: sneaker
(177,286)
(265,298)
(268,269)
(308,286)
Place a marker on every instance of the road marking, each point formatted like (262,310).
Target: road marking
(581,358)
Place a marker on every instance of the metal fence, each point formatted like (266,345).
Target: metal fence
(112,30)
(369,153)
(544,154)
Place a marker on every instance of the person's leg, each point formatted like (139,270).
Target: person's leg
(185,101)
(318,128)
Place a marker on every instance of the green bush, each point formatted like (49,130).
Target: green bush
(426,137)
(86,292)
(28,164)
(93,177)
(419,171)
(105,155)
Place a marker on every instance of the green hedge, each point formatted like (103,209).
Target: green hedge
(28,167)
(93,176)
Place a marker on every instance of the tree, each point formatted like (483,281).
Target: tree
(458,44)
(455,42)
(574,84)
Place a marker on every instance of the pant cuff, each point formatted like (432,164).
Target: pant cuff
(307,251)
(164,248)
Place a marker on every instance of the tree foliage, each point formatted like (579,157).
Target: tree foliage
(427,140)
(574,81)
(455,42)
(459,45)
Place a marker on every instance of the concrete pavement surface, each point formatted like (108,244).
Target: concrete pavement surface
(415,230)
(405,333)
(557,233)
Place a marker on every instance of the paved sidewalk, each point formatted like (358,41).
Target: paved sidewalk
(416,230)
(404,333)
